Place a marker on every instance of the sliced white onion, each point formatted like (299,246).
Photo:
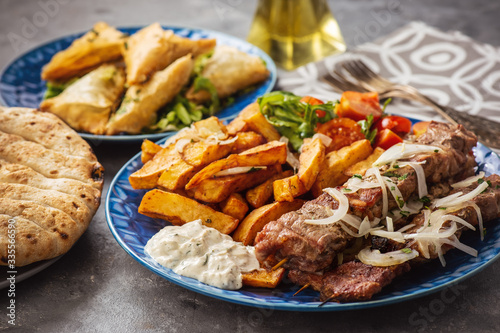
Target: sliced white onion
(228,141)
(385,199)
(390,225)
(463,198)
(338,213)
(181,144)
(461,246)
(394,235)
(365,227)
(400,151)
(238,170)
(479,218)
(422,185)
(375,258)
(352,220)
(396,193)
(457,219)
(355,183)
(468,181)
(290,157)
(326,140)
(406,227)
(444,200)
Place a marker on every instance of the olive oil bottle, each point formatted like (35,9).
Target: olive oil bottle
(295,32)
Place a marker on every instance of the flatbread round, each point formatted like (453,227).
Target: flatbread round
(51,184)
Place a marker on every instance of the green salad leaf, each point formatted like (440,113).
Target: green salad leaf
(292,118)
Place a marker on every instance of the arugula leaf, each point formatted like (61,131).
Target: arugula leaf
(292,118)
(365,128)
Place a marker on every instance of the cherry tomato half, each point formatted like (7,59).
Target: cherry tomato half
(386,139)
(314,101)
(397,124)
(420,127)
(357,106)
(342,131)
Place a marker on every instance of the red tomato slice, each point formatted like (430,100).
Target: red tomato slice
(386,139)
(342,131)
(311,100)
(420,127)
(357,106)
(397,124)
(314,101)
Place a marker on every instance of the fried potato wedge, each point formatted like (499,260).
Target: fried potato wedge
(179,210)
(248,228)
(218,189)
(177,175)
(260,194)
(202,153)
(331,173)
(210,126)
(264,155)
(263,278)
(361,167)
(99,45)
(147,176)
(239,124)
(287,189)
(247,140)
(258,123)
(310,160)
(235,206)
(149,150)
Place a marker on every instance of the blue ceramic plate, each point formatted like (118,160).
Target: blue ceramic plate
(132,231)
(21,85)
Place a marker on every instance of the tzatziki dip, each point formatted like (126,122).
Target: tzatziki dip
(202,253)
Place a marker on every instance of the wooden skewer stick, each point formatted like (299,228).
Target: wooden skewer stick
(303,287)
(327,300)
(278,265)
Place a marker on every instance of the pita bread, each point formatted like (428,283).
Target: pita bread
(50,182)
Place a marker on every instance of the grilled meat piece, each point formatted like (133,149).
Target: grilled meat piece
(312,248)
(350,282)
(355,281)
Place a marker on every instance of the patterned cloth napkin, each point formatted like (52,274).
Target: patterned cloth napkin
(449,67)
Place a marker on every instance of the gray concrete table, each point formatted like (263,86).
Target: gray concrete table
(97,287)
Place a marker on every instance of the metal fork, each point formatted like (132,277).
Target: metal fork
(363,79)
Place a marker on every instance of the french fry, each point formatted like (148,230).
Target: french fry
(235,206)
(247,140)
(267,154)
(310,161)
(179,210)
(260,194)
(287,189)
(263,278)
(218,189)
(331,172)
(361,167)
(149,150)
(147,176)
(258,218)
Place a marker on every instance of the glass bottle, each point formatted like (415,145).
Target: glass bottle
(295,32)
